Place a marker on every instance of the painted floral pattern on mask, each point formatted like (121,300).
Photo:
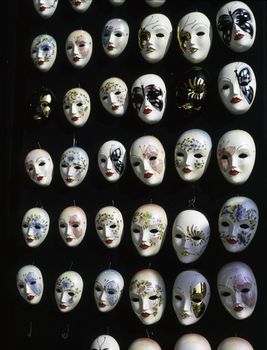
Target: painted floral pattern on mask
(188,145)
(35,226)
(76,106)
(43,52)
(30,284)
(68,291)
(111,289)
(112,221)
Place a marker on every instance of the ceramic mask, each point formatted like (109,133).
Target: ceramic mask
(30,284)
(68,290)
(148,228)
(77,106)
(235,343)
(237,87)
(144,344)
(35,226)
(149,98)
(237,289)
(39,166)
(154,37)
(236,26)
(148,296)
(42,104)
(190,235)
(105,342)
(236,153)
(155,3)
(116,3)
(194,33)
(192,154)
(109,226)
(43,52)
(79,47)
(192,90)
(238,222)
(45,8)
(72,224)
(115,36)
(147,157)
(80,6)
(192,341)
(190,298)
(74,165)
(114,96)
(108,290)
(112,160)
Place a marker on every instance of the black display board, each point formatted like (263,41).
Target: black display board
(53,257)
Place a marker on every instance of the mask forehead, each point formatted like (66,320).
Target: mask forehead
(116,2)
(115,36)
(68,290)
(43,52)
(30,283)
(237,288)
(148,295)
(191,295)
(80,5)
(192,341)
(155,3)
(237,87)
(35,226)
(105,342)
(39,166)
(144,344)
(79,47)
(235,343)
(147,157)
(77,106)
(194,34)
(192,154)
(45,8)
(236,153)
(236,26)
(154,37)
(238,221)
(148,227)
(74,165)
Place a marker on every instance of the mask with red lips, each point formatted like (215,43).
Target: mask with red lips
(44,52)
(35,226)
(30,284)
(77,106)
(80,6)
(45,8)
(79,47)
(115,35)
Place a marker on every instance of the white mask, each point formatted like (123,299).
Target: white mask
(192,154)
(238,222)
(190,298)
(108,289)
(236,153)
(237,289)
(35,226)
(148,296)
(148,227)
(72,225)
(80,5)
(45,8)
(237,87)
(149,98)
(144,344)
(79,47)
(30,284)
(114,96)
(235,343)
(190,235)
(154,37)
(192,341)
(39,166)
(104,342)
(77,106)
(155,3)
(112,160)
(115,35)
(68,290)
(44,52)
(74,164)
(194,33)
(116,3)
(147,158)
(236,26)
(109,226)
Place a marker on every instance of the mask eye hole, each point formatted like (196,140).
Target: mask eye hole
(245,290)
(200,33)
(113,226)
(118,35)
(75,225)
(136,230)
(98,289)
(243,155)
(136,164)
(244,226)
(178,235)
(99,228)
(225,87)
(160,35)
(33,283)
(79,104)
(154,230)
(225,294)
(153,297)
(178,297)
(135,300)
(224,157)
(198,155)
(58,290)
(42,163)
(153,158)
(21,286)
(225,224)
(37,227)
(71,294)
(179,154)
(77,167)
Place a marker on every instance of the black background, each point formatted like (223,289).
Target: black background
(91,257)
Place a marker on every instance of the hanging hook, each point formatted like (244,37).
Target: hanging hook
(191,202)
(149,265)
(29,333)
(66,334)
(71,264)
(39,145)
(74,203)
(109,265)
(112,202)
(74,142)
